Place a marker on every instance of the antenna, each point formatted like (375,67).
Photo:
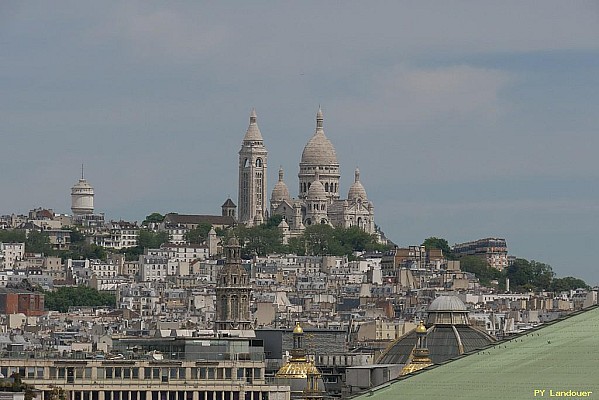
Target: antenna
(82,171)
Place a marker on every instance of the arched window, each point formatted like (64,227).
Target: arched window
(224,306)
(234,307)
(246,163)
(326,187)
(258,162)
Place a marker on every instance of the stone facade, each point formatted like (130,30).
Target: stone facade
(252,176)
(319,200)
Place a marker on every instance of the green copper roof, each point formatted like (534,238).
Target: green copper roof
(560,356)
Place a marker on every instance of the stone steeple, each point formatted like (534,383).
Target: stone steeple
(252,204)
(233,292)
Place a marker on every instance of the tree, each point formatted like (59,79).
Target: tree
(479,267)
(76,236)
(567,283)
(151,240)
(38,242)
(258,240)
(12,236)
(438,243)
(529,275)
(199,234)
(153,218)
(274,221)
(80,296)
(83,250)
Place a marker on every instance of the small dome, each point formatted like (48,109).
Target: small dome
(357,191)
(253,133)
(297,369)
(316,191)
(280,192)
(319,150)
(298,329)
(447,303)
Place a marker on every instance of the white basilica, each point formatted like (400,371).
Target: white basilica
(318,200)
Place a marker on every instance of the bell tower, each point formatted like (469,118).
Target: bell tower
(233,292)
(252,176)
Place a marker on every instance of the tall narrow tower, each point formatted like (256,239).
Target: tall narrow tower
(233,292)
(252,176)
(82,197)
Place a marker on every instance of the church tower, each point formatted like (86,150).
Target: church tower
(233,292)
(252,176)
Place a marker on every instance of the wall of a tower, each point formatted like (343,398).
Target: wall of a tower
(252,183)
(82,200)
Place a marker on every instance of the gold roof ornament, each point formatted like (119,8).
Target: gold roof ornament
(298,365)
(419,358)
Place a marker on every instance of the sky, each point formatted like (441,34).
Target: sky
(467,119)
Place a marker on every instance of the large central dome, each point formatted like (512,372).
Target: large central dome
(319,150)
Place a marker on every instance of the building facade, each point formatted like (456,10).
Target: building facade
(319,200)
(492,250)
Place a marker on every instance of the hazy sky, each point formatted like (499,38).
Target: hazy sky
(466,119)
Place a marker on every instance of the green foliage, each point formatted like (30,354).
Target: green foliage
(145,240)
(199,234)
(478,266)
(321,239)
(274,221)
(80,296)
(83,250)
(325,240)
(132,253)
(38,242)
(12,236)
(153,218)
(529,275)
(259,240)
(151,240)
(76,236)
(567,283)
(439,243)
(17,385)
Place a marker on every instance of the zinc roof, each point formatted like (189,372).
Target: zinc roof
(560,356)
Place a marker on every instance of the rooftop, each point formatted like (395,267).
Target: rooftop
(559,356)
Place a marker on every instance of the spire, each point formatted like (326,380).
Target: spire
(253,133)
(281,173)
(357,175)
(82,178)
(319,119)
